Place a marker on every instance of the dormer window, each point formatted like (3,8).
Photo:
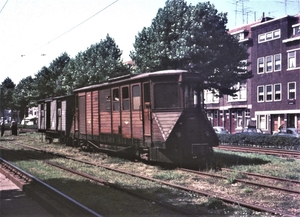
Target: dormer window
(296,34)
(296,29)
(241,35)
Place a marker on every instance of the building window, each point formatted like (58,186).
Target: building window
(241,95)
(261,38)
(291,59)
(260,93)
(247,117)
(296,29)
(210,117)
(125,98)
(292,90)
(210,97)
(277,62)
(216,114)
(239,118)
(262,122)
(269,64)
(276,34)
(269,93)
(260,65)
(269,36)
(277,91)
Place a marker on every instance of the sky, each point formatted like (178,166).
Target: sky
(35,32)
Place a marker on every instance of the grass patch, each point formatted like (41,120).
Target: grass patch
(95,194)
(247,190)
(168,175)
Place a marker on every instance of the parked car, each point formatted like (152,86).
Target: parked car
(220,130)
(293,132)
(251,130)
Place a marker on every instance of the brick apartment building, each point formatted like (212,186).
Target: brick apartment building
(269,99)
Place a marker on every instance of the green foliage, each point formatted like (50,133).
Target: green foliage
(6,94)
(99,62)
(247,190)
(195,38)
(22,95)
(95,65)
(167,175)
(260,140)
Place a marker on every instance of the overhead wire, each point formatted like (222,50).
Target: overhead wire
(74,27)
(3,6)
(64,32)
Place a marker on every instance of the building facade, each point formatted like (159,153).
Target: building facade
(269,99)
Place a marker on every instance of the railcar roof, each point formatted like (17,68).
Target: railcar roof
(49,99)
(132,78)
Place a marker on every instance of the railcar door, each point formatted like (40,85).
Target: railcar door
(146,110)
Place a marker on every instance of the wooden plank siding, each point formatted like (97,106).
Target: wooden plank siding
(137,124)
(105,111)
(82,115)
(126,124)
(95,112)
(163,123)
(88,113)
(116,122)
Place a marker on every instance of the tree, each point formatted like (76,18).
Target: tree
(194,38)
(22,96)
(46,82)
(99,62)
(6,92)
(56,68)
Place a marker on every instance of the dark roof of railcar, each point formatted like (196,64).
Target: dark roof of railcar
(134,77)
(54,98)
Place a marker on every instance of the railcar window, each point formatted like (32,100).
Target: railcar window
(166,95)
(59,109)
(136,97)
(191,96)
(116,99)
(125,98)
(146,92)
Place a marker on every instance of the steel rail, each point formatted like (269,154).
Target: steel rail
(225,199)
(286,153)
(264,176)
(241,180)
(98,180)
(34,183)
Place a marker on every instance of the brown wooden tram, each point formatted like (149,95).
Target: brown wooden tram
(156,116)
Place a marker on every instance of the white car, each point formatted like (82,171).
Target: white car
(220,130)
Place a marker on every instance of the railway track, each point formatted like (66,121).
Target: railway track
(277,152)
(107,183)
(289,190)
(180,187)
(57,203)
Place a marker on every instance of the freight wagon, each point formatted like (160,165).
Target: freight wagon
(55,117)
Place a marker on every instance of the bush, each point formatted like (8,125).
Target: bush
(260,140)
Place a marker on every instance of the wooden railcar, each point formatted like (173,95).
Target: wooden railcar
(156,116)
(55,117)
